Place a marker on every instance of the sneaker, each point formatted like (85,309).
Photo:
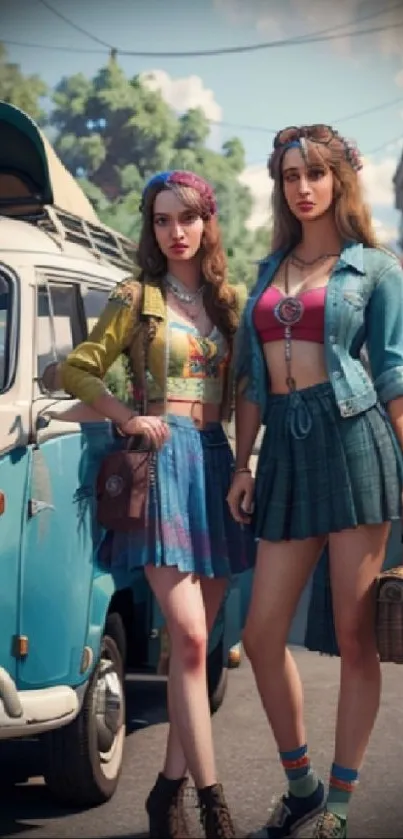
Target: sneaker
(290,813)
(330,826)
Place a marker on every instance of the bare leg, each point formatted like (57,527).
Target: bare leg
(181,600)
(175,762)
(356,557)
(282,570)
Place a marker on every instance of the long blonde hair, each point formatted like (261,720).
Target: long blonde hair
(351,214)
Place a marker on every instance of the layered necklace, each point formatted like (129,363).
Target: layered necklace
(188,298)
(290,309)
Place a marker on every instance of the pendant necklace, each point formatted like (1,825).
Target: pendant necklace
(288,311)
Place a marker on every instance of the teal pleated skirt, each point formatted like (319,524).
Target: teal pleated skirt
(319,472)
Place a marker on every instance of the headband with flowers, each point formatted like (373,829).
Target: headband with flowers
(183,178)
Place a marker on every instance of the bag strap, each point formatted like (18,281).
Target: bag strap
(145,345)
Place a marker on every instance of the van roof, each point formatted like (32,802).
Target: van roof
(62,234)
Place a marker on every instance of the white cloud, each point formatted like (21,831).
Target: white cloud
(399,80)
(377,179)
(184,93)
(256,177)
(386,233)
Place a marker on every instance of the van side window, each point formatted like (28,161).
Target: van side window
(5,322)
(58,327)
(94,301)
(116,378)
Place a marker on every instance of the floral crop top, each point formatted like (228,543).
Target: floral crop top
(195,364)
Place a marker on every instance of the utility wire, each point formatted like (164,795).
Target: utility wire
(329,29)
(54,47)
(319,36)
(260,128)
(385,145)
(381,107)
(75,25)
(286,42)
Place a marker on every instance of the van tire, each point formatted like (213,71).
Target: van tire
(217,677)
(79,771)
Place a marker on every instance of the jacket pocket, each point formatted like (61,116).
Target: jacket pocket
(353,298)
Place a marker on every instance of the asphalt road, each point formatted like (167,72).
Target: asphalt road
(247,761)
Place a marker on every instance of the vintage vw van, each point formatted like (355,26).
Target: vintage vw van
(69,626)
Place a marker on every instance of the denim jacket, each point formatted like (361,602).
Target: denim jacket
(363,306)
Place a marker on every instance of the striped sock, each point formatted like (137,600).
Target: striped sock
(341,786)
(302,780)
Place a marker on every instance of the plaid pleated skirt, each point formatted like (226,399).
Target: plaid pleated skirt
(189,523)
(320,473)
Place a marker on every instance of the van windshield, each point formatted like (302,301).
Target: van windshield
(5,320)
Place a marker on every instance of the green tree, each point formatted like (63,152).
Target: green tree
(24,92)
(113,132)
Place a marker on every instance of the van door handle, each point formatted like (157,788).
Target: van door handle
(35,507)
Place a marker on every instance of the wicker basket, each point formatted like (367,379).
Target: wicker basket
(389,618)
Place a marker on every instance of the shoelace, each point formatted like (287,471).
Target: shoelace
(176,813)
(327,827)
(222,821)
(278,812)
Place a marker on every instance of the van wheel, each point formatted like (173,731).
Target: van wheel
(84,758)
(217,677)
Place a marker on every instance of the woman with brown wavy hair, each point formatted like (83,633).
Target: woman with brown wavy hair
(330,466)
(192,545)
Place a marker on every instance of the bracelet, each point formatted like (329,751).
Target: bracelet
(244,470)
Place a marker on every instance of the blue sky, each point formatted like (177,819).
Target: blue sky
(267,89)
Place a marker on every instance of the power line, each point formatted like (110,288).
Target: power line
(316,37)
(286,42)
(75,25)
(331,29)
(381,107)
(54,47)
(385,145)
(260,128)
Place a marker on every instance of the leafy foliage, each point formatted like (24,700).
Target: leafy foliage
(112,132)
(24,92)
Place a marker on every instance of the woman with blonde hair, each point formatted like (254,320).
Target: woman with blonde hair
(177,324)
(329,470)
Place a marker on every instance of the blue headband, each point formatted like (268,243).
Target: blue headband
(293,144)
(159,178)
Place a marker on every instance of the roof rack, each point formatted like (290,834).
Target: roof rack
(104,243)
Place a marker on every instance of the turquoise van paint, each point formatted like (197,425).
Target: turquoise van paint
(13,483)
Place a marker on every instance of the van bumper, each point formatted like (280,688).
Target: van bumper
(30,712)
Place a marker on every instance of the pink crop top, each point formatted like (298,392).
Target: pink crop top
(309,328)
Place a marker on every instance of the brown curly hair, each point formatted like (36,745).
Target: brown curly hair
(351,214)
(220,298)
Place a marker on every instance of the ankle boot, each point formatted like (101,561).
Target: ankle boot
(214,813)
(166,811)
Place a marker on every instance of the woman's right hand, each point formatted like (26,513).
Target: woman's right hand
(154,429)
(240,497)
